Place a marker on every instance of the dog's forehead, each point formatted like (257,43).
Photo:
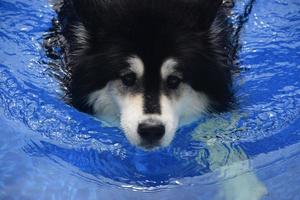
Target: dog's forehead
(164,68)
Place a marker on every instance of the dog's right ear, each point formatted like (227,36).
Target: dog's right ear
(89,11)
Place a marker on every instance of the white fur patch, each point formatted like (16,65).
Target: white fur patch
(168,67)
(136,65)
(190,104)
(103,105)
(170,119)
(131,115)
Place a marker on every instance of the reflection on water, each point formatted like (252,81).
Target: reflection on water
(227,158)
(49,150)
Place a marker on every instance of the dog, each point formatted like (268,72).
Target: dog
(148,66)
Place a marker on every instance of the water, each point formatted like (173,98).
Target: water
(50,150)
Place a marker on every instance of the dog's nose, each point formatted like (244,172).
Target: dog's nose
(151,133)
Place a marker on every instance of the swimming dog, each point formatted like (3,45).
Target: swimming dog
(148,66)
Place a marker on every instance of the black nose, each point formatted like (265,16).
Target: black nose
(151,133)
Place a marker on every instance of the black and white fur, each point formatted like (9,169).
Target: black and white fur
(147,65)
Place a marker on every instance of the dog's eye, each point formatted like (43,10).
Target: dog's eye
(173,82)
(129,79)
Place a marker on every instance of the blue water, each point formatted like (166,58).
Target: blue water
(48,150)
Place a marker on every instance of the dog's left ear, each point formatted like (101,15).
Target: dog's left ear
(208,10)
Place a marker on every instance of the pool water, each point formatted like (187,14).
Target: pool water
(48,150)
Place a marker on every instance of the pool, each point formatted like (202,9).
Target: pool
(48,150)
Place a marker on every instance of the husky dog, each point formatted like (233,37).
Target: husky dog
(148,65)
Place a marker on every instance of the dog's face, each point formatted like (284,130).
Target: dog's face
(149,103)
(149,72)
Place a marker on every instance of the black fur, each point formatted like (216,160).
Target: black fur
(195,32)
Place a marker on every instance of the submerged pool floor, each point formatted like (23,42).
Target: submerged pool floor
(48,150)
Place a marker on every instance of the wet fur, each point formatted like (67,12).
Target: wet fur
(181,29)
(100,36)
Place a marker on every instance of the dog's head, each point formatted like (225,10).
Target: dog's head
(150,66)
